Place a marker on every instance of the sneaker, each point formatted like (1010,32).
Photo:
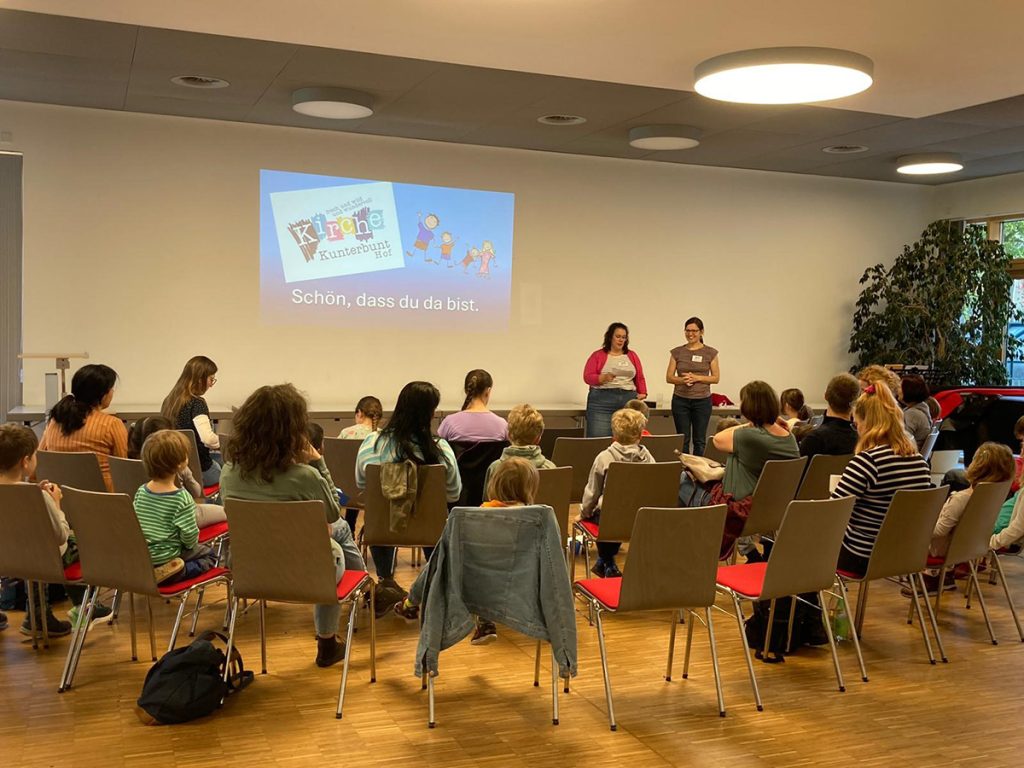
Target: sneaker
(329,651)
(388,595)
(598,569)
(54,626)
(407,610)
(99,613)
(485,633)
(168,570)
(931,583)
(3,621)
(611,571)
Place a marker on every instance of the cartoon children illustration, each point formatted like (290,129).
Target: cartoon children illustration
(486,255)
(471,255)
(427,225)
(447,243)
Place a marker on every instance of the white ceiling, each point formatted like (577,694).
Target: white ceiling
(931,56)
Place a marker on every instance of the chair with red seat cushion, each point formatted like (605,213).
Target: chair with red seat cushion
(802,560)
(671,566)
(627,488)
(777,485)
(281,551)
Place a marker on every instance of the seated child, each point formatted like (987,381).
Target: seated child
(167,513)
(993,463)
(369,412)
(644,410)
(627,425)
(17,463)
(525,426)
(315,434)
(206,513)
(726,422)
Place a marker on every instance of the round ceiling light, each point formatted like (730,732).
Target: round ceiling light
(783,75)
(930,163)
(664,137)
(332,103)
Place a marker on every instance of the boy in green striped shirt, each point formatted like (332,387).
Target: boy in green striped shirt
(167,513)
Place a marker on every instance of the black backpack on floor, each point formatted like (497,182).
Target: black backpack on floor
(188,682)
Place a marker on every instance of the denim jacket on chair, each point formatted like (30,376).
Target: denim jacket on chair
(504,564)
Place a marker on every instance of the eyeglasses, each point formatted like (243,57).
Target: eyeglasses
(213,379)
(691,330)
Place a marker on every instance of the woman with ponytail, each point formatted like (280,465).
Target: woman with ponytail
(187,409)
(78,423)
(475,423)
(885,461)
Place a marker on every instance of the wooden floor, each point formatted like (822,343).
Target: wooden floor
(967,712)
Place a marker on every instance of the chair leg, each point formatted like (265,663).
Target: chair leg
(431,722)
(604,668)
(115,607)
(920,619)
(74,641)
(263,637)
(862,607)
(831,641)
(30,590)
(768,631)
(674,621)
(940,590)
(183,603)
(152,628)
(1006,591)
(746,651)
(856,639)
(233,611)
(231,603)
(131,624)
(792,618)
(714,660)
(981,601)
(931,617)
(348,657)
(93,598)
(42,613)
(373,632)
(554,688)
(423,682)
(196,610)
(689,645)
(536,666)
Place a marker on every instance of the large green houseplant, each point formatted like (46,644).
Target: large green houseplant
(944,303)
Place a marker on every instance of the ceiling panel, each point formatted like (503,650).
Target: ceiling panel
(67,80)
(66,36)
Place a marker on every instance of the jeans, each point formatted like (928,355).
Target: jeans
(211,475)
(606,550)
(346,555)
(601,404)
(384,560)
(691,418)
(692,493)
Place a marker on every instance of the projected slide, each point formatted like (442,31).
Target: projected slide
(356,252)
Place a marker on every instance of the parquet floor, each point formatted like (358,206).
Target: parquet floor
(967,712)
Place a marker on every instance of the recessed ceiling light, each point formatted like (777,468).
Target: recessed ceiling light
(332,103)
(199,81)
(561,120)
(844,149)
(930,163)
(663,137)
(783,75)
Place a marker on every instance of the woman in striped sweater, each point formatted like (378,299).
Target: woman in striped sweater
(886,461)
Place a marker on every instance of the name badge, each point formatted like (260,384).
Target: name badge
(697,358)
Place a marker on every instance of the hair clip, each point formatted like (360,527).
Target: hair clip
(869,389)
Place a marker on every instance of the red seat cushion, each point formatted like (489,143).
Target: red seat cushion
(349,581)
(180,586)
(850,575)
(936,562)
(605,591)
(210,490)
(211,532)
(590,527)
(73,572)
(746,579)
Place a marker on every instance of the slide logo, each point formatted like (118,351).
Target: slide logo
(336,231)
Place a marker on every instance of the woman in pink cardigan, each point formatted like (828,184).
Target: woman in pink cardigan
(615,377)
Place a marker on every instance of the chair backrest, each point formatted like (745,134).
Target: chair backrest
(194,465)
(428,515)
(663,447)
(281,550)
(712,453)
(551,434)
(816,421)
(673,558)
(76,469)
(340,458)
(111,546)
(473,458)
(775,488)
(970,538)
(555,491)
(807,547)
(128,475)
(816,478)
(28,544)
(929,444)
(225,446)
(628,487)
(578,453)
(906,532)
(943,461)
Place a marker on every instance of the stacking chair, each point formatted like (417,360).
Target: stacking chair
(473,459)
(578,453)
(816,479)
(663,447)
(969,542)
(551,435)
(76,469)
(194,464)
(627,488)
(901,549)
(929,443)
(29,550)
(426,522)
(712,453)
(943,461)
(555,490)
(671,566)
(340,458)
(776,487)
(281,551)
(113,553)
(803,560)
(994,559)
(128,475)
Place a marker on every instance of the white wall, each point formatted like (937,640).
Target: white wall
(994,196)
(141,247)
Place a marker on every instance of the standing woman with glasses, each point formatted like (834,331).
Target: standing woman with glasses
(693,368)
(615,377)
(187,409)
